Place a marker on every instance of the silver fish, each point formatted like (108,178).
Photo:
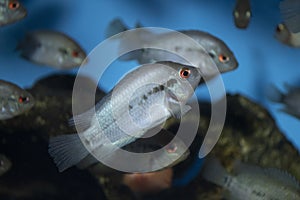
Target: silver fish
(5,164)
(154,93)
(51,48)
(251,182)
(291,99)
(284,35)
(242,13)
(219,52)
(11,11)
(13,100)
(290,11)
(172,151)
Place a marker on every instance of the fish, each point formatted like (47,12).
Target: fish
(142,100)
(284,35)
(5,164)
(11,11)
(219,53)
(14,100)
(51,48)
(242,13)
(290,100)
(174,150)
(290,12)
(251,182)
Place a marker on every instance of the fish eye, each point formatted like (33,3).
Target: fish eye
(279,28)
(236,14)
(248,14)
(223,58)
(13,5)
(75,54)
(171,148)
(184,73)
(24,99)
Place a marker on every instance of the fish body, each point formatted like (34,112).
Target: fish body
(13,100)
(218,51)
(51,48)
(290,11)
(284,35)
(251,182)
(291,99)
(11,11)
(144,99)
(242,13)
(5,164)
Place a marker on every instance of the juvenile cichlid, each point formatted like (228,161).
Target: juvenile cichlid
(284,35)
(51,48)
(251,182)
(144,99)
(290,11)
(218,51)
(242,13)
(13,100)
(291,99)
(173,150)
(11,11)
(5,164)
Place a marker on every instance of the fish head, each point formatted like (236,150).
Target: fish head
(21,101)
(182,81)
(13,11)
(72,56)
(242,18)
(282,33)
(5,164)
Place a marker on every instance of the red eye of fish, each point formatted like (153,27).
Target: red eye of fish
(14,5)
(75,54)
(184,73)
(23,99)
(223,58)
(171,148)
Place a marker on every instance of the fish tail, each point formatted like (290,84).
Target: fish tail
(214,172)
(290,11)
(67,150)
(116,26)
(274,94)
(27,47)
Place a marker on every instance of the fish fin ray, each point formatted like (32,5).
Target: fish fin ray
(282,176)
(290,11)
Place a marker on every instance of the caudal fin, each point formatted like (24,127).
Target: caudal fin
(274,94)
(290,11)
(214,172)
(67,151)
(116,26)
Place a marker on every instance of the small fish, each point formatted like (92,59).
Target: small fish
(290,11)
(11,11)
(242,13)
(291,99)
(218,51)
(51,48)
(144,99)
(5,164)
(14,100)
(284,35)
(251,182)
(174,150)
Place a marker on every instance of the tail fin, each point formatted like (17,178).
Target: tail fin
(274,94)
(290,11)
(67,150)
(214,172)
(116,26)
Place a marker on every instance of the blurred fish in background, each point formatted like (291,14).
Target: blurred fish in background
(251,182)
(5,164)
(242,13)
(218,51)
(13,100)
(284,35)
(11,11)
(290,11)
(290,99)
(51,48)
